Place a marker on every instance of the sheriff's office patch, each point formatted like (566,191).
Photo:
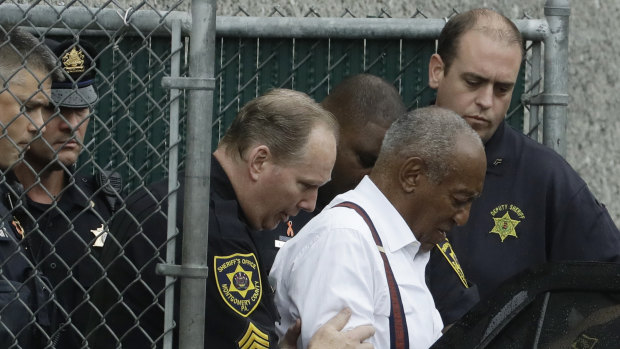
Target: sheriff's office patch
(450,256)
(254,338)
(238,280)
(505,220)
(584,342)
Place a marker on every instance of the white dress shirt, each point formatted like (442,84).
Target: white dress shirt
(334,262)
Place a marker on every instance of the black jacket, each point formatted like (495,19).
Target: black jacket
(239,300)
(534,209)
(66,250)
(27,312)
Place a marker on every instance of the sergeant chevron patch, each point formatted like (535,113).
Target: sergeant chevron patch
(254,339)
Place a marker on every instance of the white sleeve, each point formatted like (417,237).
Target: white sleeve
(336,272)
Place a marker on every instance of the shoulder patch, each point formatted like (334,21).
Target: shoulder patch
(238,281)
(254,338)
(450,256)
(584,342)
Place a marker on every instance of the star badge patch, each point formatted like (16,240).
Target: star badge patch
(505,225)
(238,280)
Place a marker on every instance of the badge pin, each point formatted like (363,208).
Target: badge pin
(101,234)
(289,230)
(18,227)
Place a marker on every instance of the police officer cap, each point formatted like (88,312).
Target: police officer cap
(78,65)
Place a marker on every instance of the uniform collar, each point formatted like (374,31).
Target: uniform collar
(75,192)
(11,190)
(496,151)
(220,184)
(394,231)
(222,187)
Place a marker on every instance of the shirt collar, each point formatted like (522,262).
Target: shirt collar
(393,230)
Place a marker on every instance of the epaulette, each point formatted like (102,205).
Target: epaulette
(111,184)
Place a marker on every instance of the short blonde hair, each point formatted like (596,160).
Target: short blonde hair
(282,120)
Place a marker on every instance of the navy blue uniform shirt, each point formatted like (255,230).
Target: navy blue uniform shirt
(239,304)
(534,209)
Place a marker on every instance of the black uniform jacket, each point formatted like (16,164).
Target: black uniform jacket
(26,313)
(66,250)
(239,307)
(534,208)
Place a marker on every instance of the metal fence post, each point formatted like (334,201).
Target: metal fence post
(173,164)
(556,75)
(197,174)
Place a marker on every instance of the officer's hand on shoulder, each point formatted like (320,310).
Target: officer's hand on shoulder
(290,338)
(329,336)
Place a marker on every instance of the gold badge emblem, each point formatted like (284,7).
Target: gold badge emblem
(238,280)
(73,61)
(584,342)
(450,256)
(504,224)
(101,234)
(254,338)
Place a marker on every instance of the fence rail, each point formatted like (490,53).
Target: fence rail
(150,124)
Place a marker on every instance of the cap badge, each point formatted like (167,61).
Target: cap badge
(73,61)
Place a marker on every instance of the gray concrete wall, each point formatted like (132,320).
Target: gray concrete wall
(593,124)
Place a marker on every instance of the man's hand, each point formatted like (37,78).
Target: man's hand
(290,338)
(330,337)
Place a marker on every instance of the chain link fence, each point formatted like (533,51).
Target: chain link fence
(150,124)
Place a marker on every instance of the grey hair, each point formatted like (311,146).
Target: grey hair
(20,49)
(428,133)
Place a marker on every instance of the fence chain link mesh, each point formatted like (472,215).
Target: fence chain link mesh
(128,132)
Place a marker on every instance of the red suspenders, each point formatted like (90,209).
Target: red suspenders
(399,336)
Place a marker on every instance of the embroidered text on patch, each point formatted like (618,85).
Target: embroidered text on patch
(505,225)
(238,281)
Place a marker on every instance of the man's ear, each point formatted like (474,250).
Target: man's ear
(436,70)
(411,173)
(258,159)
